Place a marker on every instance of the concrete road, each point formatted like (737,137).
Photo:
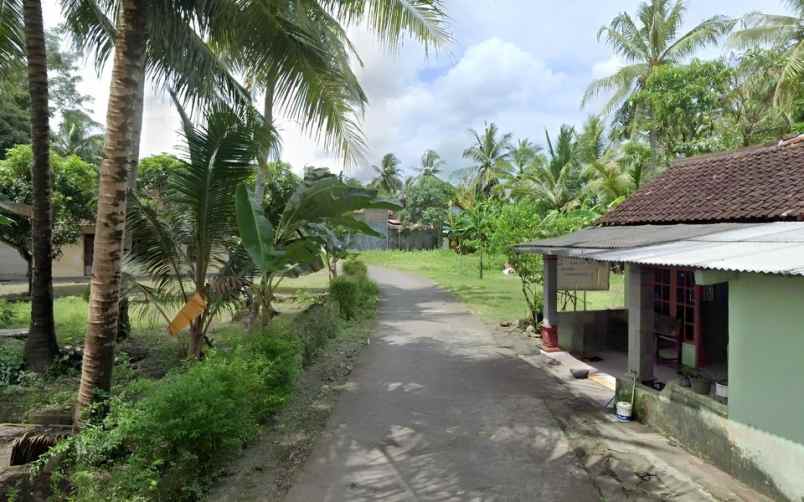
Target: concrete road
(436,410)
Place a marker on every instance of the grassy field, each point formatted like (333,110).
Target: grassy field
(496,297)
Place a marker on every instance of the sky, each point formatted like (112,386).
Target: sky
(523,64)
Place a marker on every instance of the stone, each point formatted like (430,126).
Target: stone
(505,324)
(530,330)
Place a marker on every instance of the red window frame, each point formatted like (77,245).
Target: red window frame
(675,294)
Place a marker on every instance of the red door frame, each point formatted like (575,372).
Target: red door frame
(697,292)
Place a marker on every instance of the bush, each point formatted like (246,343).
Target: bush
(168,443)
(355,268)
(6,313)
(11,363)
(314,327)
(344,292)
(353,295)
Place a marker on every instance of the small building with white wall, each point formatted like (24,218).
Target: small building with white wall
(74,261)
(713,252)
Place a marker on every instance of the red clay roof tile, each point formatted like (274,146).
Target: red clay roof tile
(756,184)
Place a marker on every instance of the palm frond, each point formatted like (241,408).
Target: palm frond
(706,33)
(424,20)
(91,24)
(12,43)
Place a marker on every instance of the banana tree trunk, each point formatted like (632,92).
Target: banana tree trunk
(124,324)
(262,167)
(41,346)
(128,70)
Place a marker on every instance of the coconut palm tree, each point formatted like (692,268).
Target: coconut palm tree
(183,242)
(647,41)
(76,136)
(490,152)
(127,71)
(40,346)
(388,178)
(786,33)
(555,182)
(523,155)
(431,163)
(608,178)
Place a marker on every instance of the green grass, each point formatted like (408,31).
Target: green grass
(149,351)
(496,297)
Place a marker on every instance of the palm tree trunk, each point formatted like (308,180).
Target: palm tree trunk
(41,346)
(123,323)
(262,168)
(128,70)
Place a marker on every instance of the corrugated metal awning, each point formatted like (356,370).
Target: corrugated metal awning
(773,248)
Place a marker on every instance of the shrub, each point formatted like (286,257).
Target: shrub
(344,292)
(355,268)
(11,363)
(6,313)
(353,295)
(168,443)
(314,327)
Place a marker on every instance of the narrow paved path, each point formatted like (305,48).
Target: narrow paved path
(437,411)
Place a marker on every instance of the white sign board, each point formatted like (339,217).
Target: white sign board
(577,274)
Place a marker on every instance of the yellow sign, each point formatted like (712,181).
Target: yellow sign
(192,309)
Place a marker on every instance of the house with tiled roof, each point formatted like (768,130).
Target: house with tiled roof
(712,328)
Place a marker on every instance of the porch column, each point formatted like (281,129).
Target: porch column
(550,323)
(641,343)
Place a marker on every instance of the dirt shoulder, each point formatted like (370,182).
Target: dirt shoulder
(266,469)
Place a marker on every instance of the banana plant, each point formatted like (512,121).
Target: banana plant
(294,246)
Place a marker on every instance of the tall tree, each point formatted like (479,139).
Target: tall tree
(554,183)
(40,346)
(490,152)
(388,178)
(79,135)
(786,33)
(127,72)
(523,154)
(648,41)
(431,163)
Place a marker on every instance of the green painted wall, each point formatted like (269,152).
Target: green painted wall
(766,353)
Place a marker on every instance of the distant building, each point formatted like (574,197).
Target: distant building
(713,251)
(74,262)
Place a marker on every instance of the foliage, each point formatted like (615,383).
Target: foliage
(431,164)
(388,179)
(355,268)
(11,362)
(427,201)
(314,327)
(79,135)
(490,153)
(687,103)
(751,114)
(555,182)
(280,186)
(784,33)
(191,234)
(153,174)
(162,440)
(648,41)
(305,226)
(74,193)
(354,295)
